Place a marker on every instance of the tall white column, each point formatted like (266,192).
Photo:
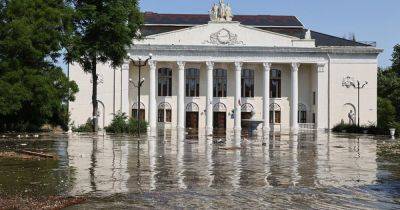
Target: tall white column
(238,96)
(209,104)
(267,69)
(295,98)
(322,97)
(152,96)
(125,102)
(181,95)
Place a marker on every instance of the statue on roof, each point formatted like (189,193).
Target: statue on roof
(221,12)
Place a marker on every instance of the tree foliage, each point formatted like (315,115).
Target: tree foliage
(103,30)
(32,87)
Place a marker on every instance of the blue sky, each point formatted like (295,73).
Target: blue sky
(369,20)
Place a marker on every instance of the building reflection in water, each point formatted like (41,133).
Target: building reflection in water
(179,161)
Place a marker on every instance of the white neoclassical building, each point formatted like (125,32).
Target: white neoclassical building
(214,71)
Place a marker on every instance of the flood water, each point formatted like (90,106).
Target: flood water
(174,170)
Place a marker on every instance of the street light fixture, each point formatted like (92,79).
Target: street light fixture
(357,85)
(139,63)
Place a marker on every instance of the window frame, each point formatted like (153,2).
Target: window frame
(164,82)
(247,83)
(275,83)
(220,83)
(192,80)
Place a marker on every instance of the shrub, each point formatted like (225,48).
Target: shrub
(87,127)
(348,128)
(121,124)
(118,124)
(133,126)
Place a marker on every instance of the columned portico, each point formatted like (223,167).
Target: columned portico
(209,97)
(181,95)
(152,95)
(294,103)
(267,70)
(238,96)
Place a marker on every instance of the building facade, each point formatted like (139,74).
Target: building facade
(215,71)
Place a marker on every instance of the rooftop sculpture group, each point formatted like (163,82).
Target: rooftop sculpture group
(221,12)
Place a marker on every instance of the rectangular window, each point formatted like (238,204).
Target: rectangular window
(275,117)
(302,117)
(168,115)
(313,118)
(271,116)
(192,82)
(278,117)
(220,83)
(275,83)
(164,82)
(248,83)
(314,98)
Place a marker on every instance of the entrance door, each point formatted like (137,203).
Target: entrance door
(192,120)
(220,120)
(245,116)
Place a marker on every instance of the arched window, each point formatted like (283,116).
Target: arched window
(248,83)
(274,114)
(302,117)
(141,111)
(276,83)
(220,82)
(164,82)
(192,82)
(164,112)
(247,110)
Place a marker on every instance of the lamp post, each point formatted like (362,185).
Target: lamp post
(139,63)
(358,85)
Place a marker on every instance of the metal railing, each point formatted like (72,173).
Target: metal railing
(307,126)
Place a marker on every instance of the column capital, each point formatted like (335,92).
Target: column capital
(210,65)
(152,64)
(267,66)
(295,66)
(181,65)
(321,67)
(238,65)
(125,65)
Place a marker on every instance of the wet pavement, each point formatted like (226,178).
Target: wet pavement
(174,170)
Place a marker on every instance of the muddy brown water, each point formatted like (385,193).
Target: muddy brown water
(308,171)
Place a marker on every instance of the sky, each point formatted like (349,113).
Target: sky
(369,20)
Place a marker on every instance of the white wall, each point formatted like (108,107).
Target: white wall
(363,68)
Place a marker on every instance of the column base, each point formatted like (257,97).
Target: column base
(209,131)
(294,130)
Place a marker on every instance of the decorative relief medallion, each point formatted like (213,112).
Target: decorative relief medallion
(347,82)
(224,37)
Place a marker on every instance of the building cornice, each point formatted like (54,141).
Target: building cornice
(254,49)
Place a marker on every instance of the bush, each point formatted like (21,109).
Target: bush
(118,124)
(87,127)
(121,124)
(133,126)
(348,128)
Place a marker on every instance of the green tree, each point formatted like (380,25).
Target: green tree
(396,59)
(103,30)
(386,113)
(33,90)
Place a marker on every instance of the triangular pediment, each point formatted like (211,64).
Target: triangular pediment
(225,34)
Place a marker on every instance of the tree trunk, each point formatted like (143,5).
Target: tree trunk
(94,96)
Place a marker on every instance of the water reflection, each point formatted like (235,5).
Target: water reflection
(273,168)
